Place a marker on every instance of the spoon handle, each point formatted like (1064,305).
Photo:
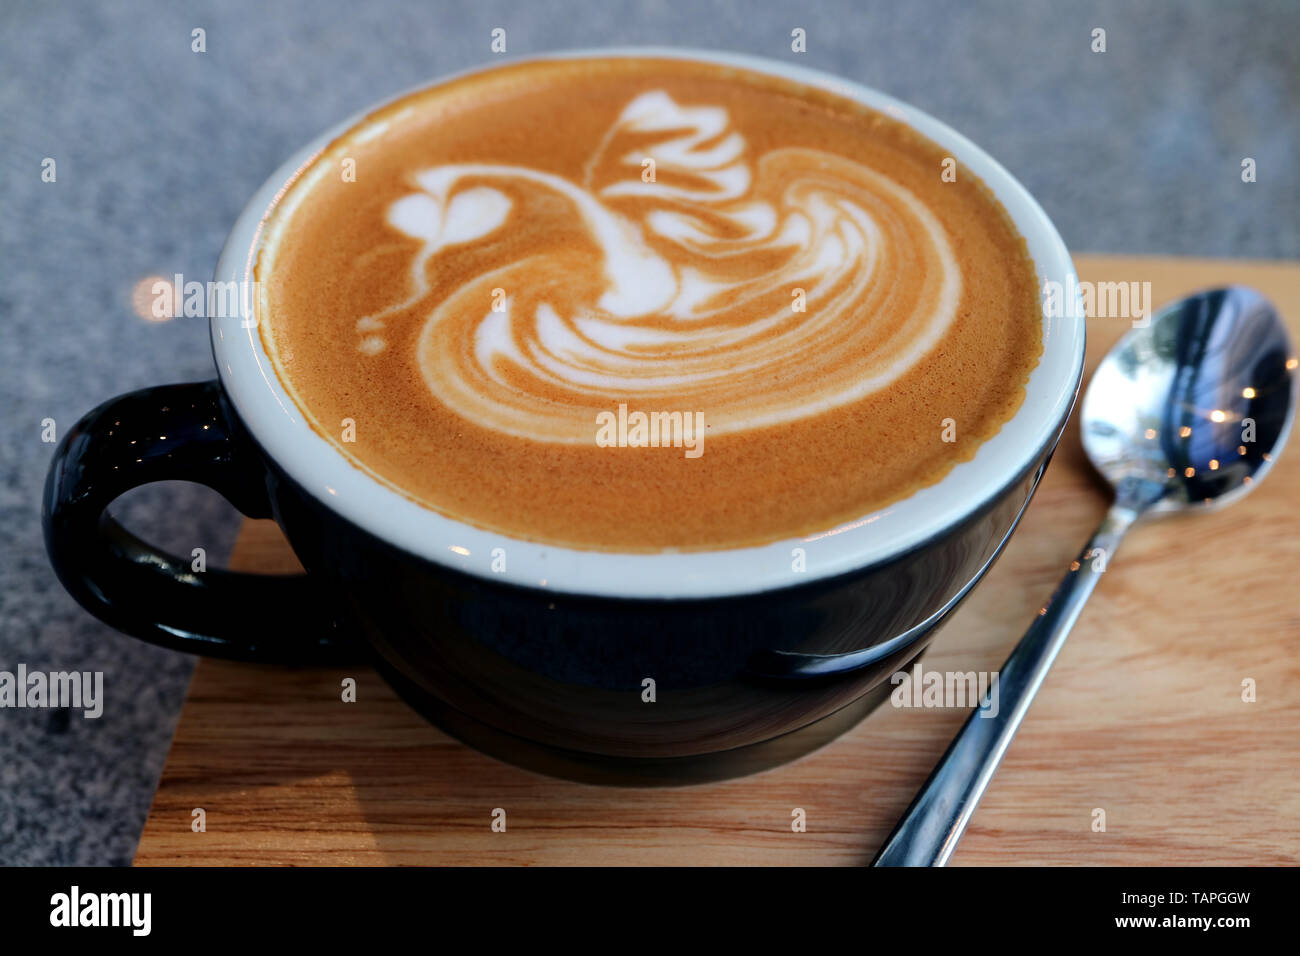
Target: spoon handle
(929,830)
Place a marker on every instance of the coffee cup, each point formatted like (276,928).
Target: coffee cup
(623,659)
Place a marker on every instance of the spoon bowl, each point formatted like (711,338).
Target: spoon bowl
(1198,401)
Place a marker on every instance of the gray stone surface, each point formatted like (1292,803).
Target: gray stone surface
(1134,150)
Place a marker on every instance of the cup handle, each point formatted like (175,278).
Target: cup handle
(175,432)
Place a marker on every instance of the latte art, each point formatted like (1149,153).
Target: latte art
(722,266)
(634,303)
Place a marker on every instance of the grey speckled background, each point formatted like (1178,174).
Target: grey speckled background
(1135,150)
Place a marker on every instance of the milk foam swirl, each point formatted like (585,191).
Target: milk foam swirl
(688,294)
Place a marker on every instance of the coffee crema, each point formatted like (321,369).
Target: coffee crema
(458,291)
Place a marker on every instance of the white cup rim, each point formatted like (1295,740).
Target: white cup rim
(273,419)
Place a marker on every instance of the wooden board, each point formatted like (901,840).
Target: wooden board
(1142,716)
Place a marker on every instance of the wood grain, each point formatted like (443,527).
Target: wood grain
(1142,717)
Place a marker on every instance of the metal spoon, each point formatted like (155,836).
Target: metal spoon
(1184,414)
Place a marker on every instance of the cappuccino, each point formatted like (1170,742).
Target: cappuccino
(470,291)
